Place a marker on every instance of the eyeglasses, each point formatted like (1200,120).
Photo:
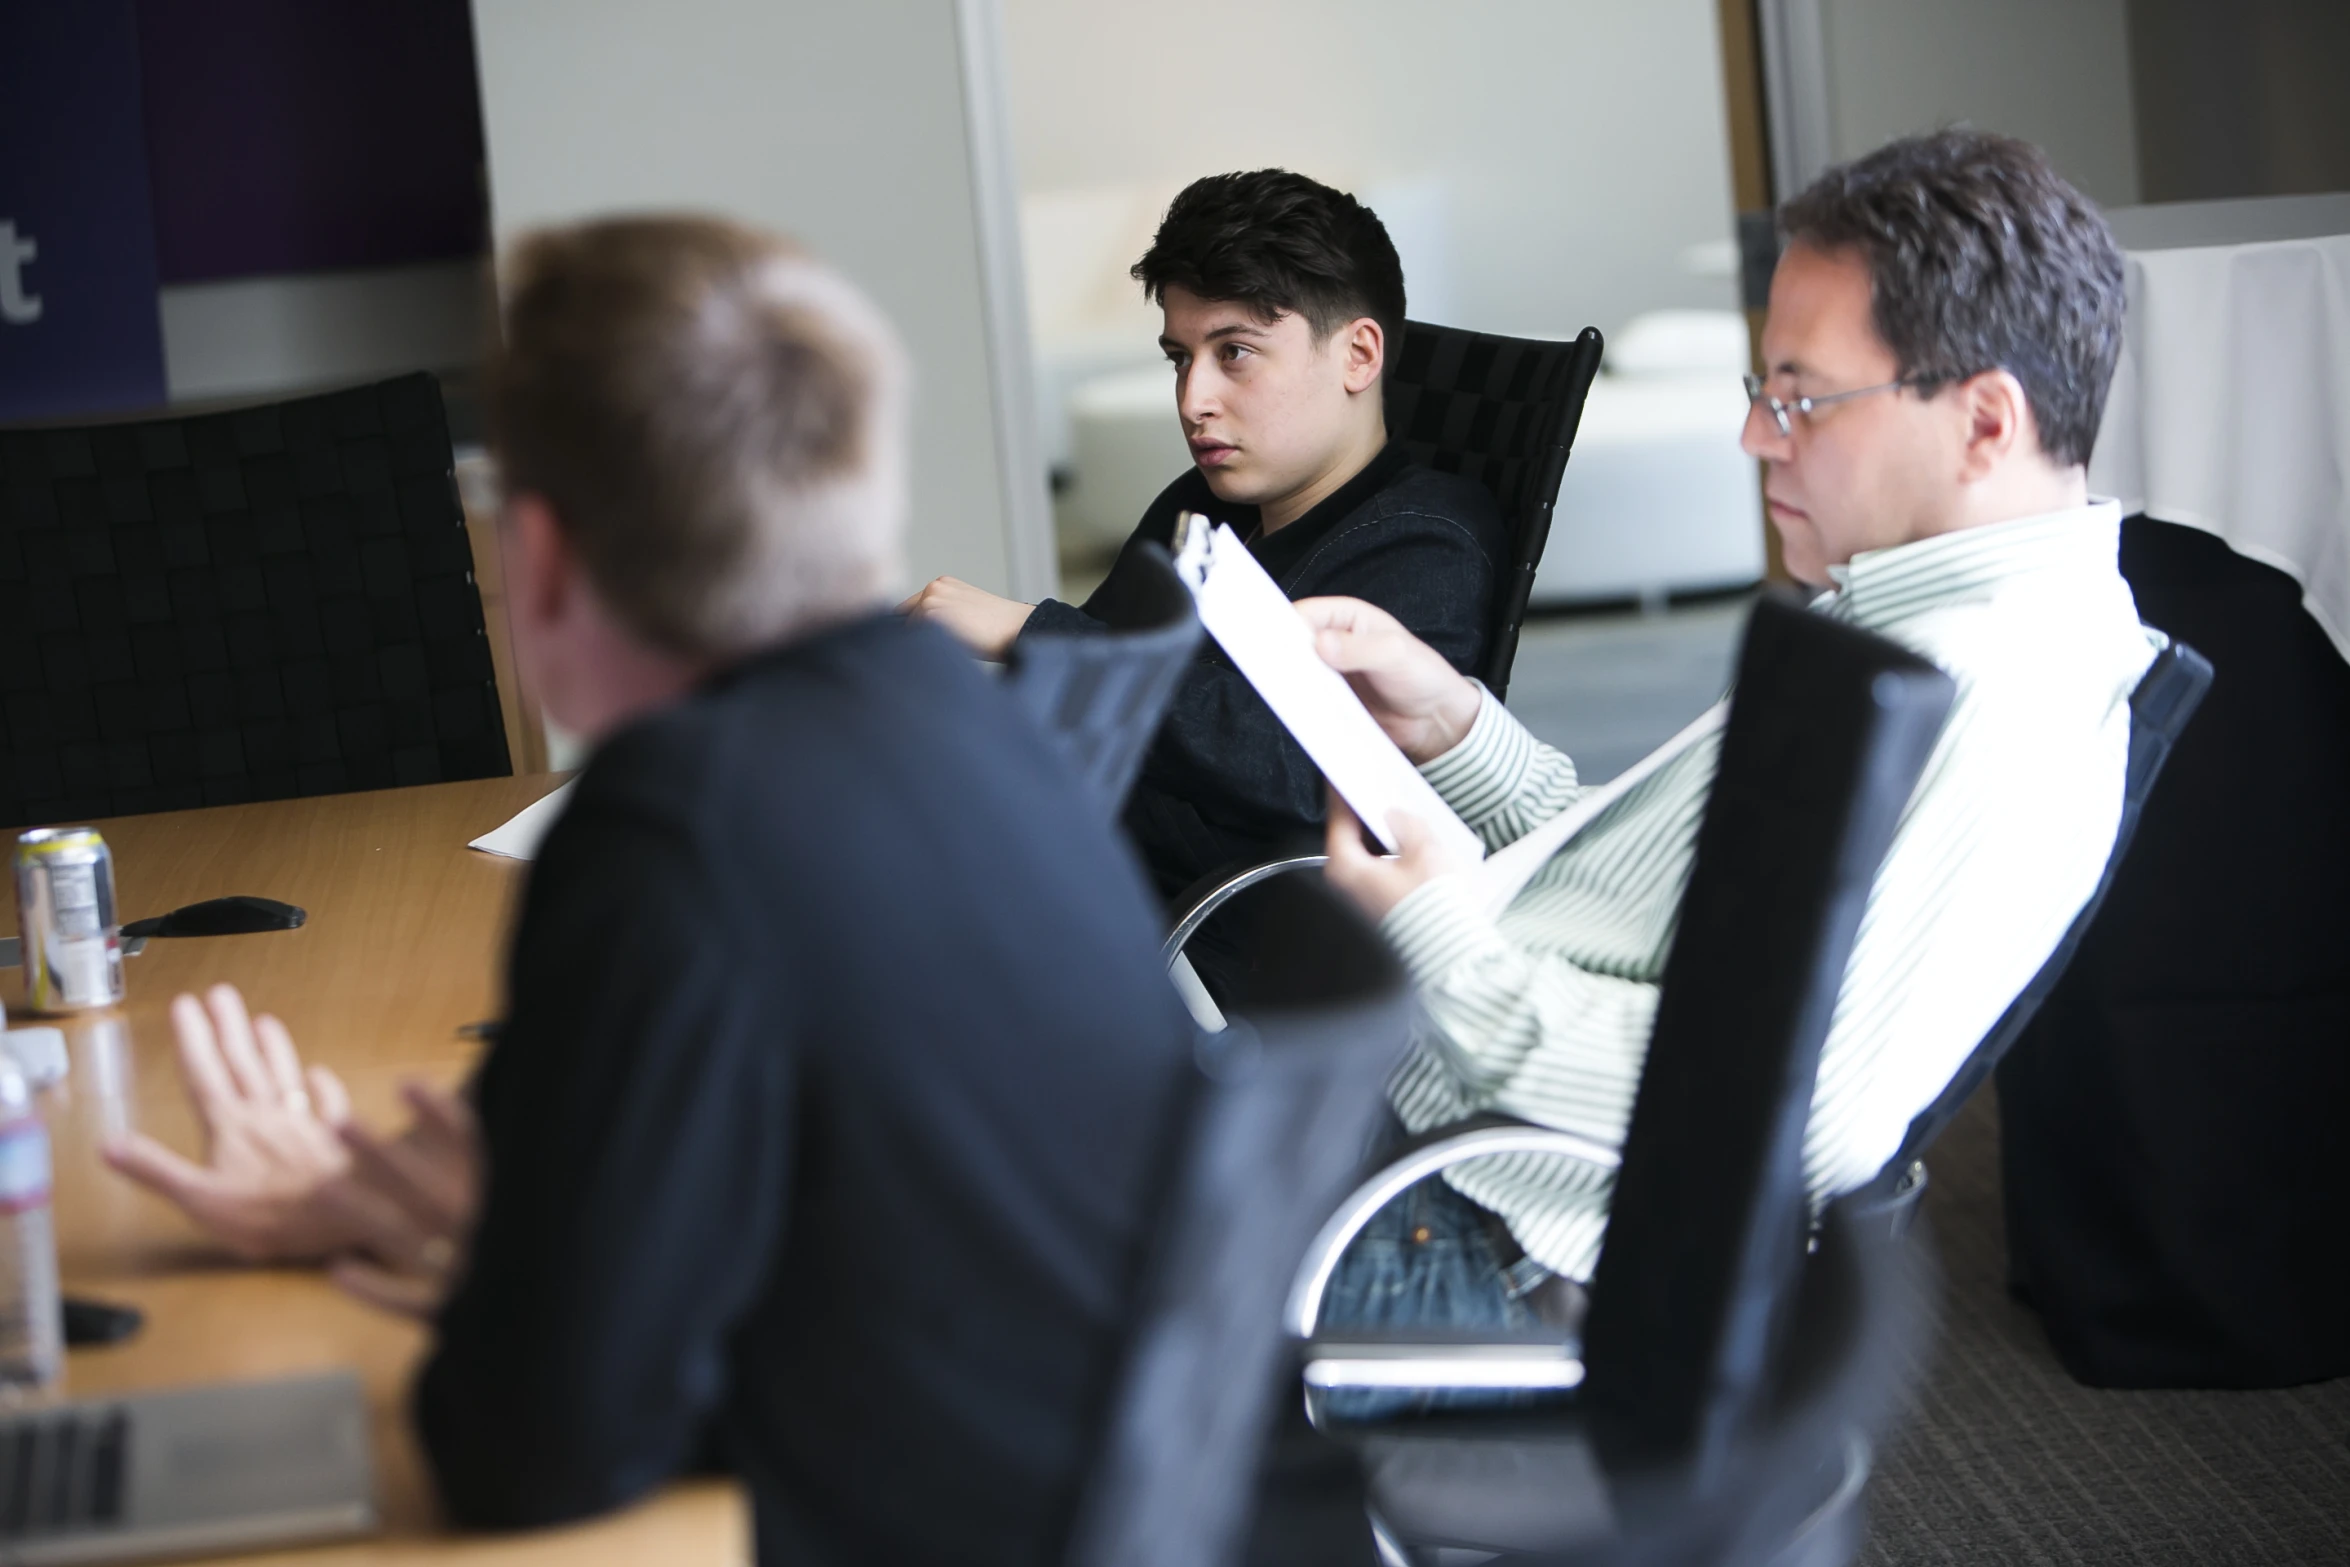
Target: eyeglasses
(1804,405)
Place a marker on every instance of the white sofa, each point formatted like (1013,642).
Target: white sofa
(1658,499)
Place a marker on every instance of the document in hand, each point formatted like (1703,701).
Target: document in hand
(1262,633)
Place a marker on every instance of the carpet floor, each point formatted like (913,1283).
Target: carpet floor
(2004,1459)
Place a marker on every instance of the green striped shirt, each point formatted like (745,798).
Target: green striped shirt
(1545,1012)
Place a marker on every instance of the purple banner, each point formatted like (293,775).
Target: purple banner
(296,136)
(78,326)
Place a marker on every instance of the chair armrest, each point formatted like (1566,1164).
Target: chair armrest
(1426,1156)
(1205,897)
(1538,1360)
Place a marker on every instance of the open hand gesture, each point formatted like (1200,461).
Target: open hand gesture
(270,1135)
(289,1176)
(409,1203)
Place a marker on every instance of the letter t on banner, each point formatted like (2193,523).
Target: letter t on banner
(79,329)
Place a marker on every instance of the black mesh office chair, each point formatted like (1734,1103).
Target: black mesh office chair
(2166,698)
(1693,1304)
(1284,1103)
(1502,411)
(1100,695)
(270,602)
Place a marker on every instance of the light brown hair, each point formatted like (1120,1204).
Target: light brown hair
(716,419)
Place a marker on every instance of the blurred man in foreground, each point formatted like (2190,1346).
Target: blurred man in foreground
(1942,328)
(792,1147)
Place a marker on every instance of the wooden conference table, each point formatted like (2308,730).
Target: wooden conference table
(402,946)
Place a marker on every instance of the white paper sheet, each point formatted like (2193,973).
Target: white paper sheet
(1254,622)
(519,838)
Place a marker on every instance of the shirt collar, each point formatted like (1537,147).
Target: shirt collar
(1279,548)
(1882,586)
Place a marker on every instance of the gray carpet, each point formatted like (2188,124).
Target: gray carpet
(1609,689)
(2006,1460)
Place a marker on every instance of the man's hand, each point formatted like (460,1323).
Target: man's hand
(289,1176)
(1378,883)
(410,1205)
(270,1135)
(1423,703)
(975,617)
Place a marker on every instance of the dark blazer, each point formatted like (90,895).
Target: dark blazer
(835,1087)
(1224,782)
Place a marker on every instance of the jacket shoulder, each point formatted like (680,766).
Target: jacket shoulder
(1421,494)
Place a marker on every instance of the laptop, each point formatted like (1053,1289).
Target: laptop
(226,1466)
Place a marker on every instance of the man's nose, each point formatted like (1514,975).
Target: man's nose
(1195,393)
(1759,437)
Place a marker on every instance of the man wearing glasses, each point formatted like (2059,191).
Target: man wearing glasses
(1942,328)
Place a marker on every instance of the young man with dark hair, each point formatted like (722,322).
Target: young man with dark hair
(791,1152)
(1283,302)
(1942,329)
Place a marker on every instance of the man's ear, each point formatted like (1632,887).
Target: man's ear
(541,571)
(1998,422)
(1364,347)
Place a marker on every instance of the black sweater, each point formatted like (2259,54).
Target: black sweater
(836,1080)
(1224,782)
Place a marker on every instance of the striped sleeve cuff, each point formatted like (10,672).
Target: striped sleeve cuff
(1485,771)
(1437,926)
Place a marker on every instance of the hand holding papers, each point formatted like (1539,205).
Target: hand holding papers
(1260,631)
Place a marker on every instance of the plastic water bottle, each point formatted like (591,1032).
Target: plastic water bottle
(31,1328)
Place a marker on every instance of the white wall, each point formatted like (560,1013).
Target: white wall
(1569,151)
(848,125)
(287,335)
(2055,72)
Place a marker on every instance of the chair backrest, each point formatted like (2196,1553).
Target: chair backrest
(1790,1488)
(1287,1099)
(1829,729)
(1502,411)
(2167,696)
(1100,696)
(257,604)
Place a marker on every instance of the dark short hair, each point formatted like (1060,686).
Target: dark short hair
(1981,257)
(1278,243)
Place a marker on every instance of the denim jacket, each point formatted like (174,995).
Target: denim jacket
(1224,782)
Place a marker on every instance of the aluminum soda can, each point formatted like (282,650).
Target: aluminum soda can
(69,938)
